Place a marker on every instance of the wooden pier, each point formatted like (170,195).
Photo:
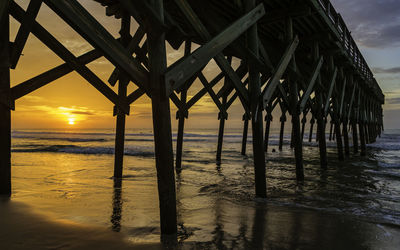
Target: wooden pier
(297,56)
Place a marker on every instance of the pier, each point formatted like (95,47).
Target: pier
(294,56)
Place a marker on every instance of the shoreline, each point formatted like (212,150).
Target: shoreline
(273,227)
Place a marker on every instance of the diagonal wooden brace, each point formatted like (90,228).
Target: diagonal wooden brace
(24,30)
(311,83)
(332,84)
(180,72)
(279,71)
(49,76)
(51,42)
(89,28)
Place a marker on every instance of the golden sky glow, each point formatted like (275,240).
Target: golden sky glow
(72,101)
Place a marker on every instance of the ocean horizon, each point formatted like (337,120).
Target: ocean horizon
(67,175)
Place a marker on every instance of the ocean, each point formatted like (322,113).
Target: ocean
(67,175)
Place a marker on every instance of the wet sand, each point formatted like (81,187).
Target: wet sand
(23,229)
(264,228)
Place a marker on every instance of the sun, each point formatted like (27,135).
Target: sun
(71,121)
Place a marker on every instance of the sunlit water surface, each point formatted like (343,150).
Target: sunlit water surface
(68,175)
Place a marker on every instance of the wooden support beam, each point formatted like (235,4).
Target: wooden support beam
(268,120)
(320,115)
(52,43)
(132,97)
(297,141)
(221,61)
(132,47)
(122,92)
(331,86)
(311,83)
(211,92)
(342,97)
(282,120)
(24,30)
(256,110)
(181,71)
(162,126)
(143,9)
(203,91)
(312,121)
(246,118)
(49,76)
(5,95)
(181,115)
(222,117)
(89,28)
(279,71)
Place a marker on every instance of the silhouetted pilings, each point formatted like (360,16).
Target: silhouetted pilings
(307,70)
(5,101)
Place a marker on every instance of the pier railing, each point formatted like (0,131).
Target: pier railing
(348,43)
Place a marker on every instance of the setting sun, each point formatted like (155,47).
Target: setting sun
(71,121)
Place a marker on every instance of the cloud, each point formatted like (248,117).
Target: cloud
(395,70)
(82,113)
(374,23)
(395,100)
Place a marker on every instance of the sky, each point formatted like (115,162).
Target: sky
(71,102)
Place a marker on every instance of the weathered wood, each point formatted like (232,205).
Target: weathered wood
(181,115)
(256,110)
(5,112)
(282,120)
(279,71)
(331,86)
(133,46)
(89,28)
(246,119)
(24,30)
(122,92)
(221,61)
(320,115)
(49,76)
(268,120)
(181,71)
(162,127)
(52,43)
(222,117)
(295,111)
(311,83)
(312,121)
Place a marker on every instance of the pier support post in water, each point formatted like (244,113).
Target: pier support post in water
(162,125)
(312,121)
(303,124)
(222,117)
(181,115)
(5,101)
(246,118)
(256,110)
(297,140)
(320,116)
(346,138)
(283,120)
(362,139)
(268,120)
(355,135)
(122,92)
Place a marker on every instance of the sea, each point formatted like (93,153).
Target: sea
(68,175)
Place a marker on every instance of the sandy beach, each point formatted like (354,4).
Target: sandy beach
(64,197)
(273,228)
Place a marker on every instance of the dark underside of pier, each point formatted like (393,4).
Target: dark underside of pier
(297,54)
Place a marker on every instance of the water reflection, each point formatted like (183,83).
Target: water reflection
(117,206)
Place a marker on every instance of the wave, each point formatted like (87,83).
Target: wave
(73,149)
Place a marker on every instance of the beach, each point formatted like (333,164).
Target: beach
(64,196)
